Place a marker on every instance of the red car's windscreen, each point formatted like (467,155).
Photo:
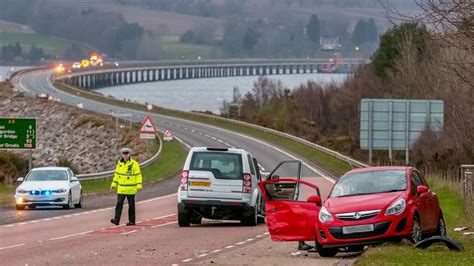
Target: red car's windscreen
(369,183)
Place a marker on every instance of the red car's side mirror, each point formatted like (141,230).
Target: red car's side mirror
(314,199)
(421,189)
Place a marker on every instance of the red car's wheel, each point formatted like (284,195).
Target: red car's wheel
(441,231)
(325,252)
(416,234)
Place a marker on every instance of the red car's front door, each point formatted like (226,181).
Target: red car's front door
(289,219)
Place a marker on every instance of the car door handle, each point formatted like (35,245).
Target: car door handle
(274,210)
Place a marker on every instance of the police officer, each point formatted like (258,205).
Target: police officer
(127,181)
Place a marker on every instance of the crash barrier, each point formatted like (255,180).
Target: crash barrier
(105,174)
(467,182)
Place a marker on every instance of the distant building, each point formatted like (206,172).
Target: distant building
(329,44)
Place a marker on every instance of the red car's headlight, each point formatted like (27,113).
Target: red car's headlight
(396,208)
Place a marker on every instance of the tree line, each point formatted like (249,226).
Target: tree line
(106,31)
(15,52)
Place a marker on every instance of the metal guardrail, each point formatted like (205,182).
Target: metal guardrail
(94,176)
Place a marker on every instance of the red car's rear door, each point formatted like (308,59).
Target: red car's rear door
(289,219)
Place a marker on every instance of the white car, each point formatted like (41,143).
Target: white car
(49,186)
(219,183)
(76,65)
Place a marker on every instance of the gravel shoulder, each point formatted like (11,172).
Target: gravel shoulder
(267,252)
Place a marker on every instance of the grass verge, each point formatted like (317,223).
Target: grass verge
(327,162)
(405,254)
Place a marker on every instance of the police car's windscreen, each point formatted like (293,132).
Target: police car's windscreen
(47,175)
(222,165)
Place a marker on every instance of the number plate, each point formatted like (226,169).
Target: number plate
(200,183)
(358,229)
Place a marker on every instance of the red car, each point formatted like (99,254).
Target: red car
(365,206)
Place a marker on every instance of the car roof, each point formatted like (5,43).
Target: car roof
(379,168)
(50,168)
(205,149)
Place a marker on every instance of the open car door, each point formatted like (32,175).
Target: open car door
(291,217)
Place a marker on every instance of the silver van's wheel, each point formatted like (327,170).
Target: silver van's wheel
(252,219)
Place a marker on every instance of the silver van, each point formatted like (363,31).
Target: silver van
(219,183)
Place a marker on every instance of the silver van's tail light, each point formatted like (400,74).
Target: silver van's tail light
(247,183)
(184,180)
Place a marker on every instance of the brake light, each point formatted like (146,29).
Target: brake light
(247,183)
(184,180)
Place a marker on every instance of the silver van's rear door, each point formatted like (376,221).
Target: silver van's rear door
(203,184)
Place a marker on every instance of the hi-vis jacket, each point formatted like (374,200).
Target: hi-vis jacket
(127,178)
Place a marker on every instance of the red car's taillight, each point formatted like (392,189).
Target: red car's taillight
(247,183)
(184,180)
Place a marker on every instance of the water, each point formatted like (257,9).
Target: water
(205,94)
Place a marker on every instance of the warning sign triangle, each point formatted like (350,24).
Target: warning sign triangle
(148,126)
(168,133)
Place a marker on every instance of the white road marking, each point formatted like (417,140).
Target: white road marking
(68,236)
(187,260)
(14,246)
(261,167)
(213,138)
(192,130)
(217,250)
(131,232)
(207,135)
(10,225)
(250,239)
(160,225)
(266,233)
(240,243)
(258,236)
(202,255)
(221,141)
(229,246)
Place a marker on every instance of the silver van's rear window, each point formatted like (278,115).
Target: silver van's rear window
(222,165)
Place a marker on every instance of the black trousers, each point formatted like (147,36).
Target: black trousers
(131,207)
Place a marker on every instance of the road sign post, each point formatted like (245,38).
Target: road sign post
(17,133)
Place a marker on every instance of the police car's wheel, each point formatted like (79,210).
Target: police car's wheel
(81,199)
(70,204)
(20,207)
(184,219)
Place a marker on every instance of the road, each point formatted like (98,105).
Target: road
(87,237)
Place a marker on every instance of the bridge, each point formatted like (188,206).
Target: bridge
(176,70)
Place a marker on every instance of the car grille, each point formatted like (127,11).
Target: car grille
(379,229)
(357,216)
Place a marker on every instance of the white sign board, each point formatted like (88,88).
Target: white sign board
(147,136)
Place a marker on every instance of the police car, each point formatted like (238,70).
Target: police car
(49,186)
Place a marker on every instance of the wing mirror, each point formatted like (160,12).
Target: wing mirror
(20,179)
(74,179)
(421,189)
(314,199)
